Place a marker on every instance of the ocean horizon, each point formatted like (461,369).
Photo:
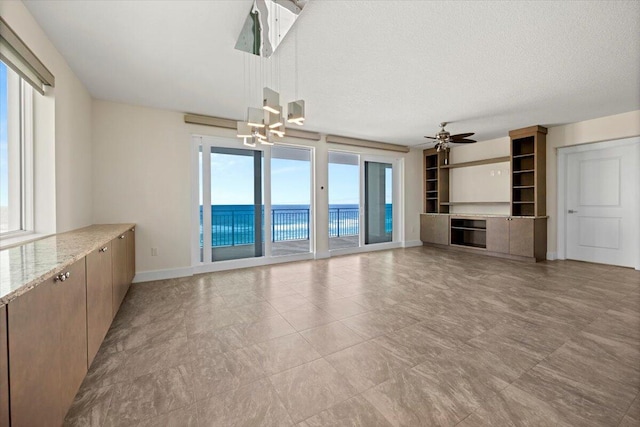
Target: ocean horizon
(234,224)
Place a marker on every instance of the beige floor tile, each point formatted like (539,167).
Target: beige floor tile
(355,412)
(256,404)
(332,337)
(311,388)
(280,354)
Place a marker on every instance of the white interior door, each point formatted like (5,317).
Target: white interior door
(602,205)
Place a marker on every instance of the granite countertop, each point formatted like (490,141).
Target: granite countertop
(25,266)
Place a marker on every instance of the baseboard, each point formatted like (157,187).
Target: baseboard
(412,243)
(552,256)
(171,273)
(323,255)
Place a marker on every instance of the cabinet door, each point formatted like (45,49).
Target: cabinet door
(434,229)
(99,298)
(521,240)
(34,351)
(119,268)
(498,235)
(131,255)
(4,369)
(73,332)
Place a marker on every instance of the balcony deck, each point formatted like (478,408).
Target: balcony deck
(281,248)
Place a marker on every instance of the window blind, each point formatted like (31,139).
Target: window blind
(17,55)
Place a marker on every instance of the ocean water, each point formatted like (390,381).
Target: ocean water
(235,224)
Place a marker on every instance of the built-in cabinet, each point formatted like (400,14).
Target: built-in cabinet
(520,234)
(47,332)
(4,369)
(434,229)
(50,334)
(99,298)
(522,237)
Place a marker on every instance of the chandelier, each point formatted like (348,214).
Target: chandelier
(261,34)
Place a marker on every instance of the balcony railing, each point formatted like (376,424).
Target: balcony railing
(236,227)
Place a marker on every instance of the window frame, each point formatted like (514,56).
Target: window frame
(24,135)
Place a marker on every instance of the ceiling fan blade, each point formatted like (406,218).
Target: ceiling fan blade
(430,137)
(464,141)
(461,135)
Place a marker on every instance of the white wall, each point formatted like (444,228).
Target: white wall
(62,132)
(601,129)
(141,174)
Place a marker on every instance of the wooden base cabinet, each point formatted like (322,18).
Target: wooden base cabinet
(434,229)
(47,329)
(4,369)
(521,237)
(99,298)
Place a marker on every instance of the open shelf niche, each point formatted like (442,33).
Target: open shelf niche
(528,177)
(436,182)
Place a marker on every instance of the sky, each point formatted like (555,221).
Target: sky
(232,181)
(4,171)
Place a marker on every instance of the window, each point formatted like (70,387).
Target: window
(15,153)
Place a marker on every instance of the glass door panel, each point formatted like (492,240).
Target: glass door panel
(378,202)
(236,204)
(291,217)
(344,200)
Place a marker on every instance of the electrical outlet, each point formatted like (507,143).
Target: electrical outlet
(154,251)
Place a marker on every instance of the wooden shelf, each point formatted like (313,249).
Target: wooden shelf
(432,179)
(476,163)
(523,203)
(471,245)
(433,168)
(468,228)
(525,171)
(522,187)
(523,155)
(473,203)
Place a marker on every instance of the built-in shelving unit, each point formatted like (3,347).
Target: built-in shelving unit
(436,182)
(528,178)
(469,232)
(521,234)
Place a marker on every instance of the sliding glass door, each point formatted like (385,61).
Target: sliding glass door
(251,203)
(291,207)
(344,200)
(231,207)
(378,202)
(362,200)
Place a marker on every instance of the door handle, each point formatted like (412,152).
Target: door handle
(572,211)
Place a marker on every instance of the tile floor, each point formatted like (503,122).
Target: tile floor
(408,337)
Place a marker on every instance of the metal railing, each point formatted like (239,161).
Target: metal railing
(289,224)
(344,222)
(232,228)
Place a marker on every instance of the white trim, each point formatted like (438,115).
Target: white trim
(412,243)
(170,273)
(249,262)
(561,190)
(552,256)
(366,248)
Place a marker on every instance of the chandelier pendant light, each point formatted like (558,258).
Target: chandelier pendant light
(266,125)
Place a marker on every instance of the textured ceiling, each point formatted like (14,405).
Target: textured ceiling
(383,70)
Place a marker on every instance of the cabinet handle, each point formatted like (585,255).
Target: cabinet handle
(62,277)
(122,237)
(105,249)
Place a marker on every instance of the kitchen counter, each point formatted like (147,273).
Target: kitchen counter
(25,266)
(469,215)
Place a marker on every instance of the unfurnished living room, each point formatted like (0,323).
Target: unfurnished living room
(319,213)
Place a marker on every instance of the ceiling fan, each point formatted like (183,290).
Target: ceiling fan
(443,138)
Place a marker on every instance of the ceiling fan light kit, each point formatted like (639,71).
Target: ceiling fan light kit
(443,138)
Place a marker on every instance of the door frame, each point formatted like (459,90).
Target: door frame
(562,166)
(267,259)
